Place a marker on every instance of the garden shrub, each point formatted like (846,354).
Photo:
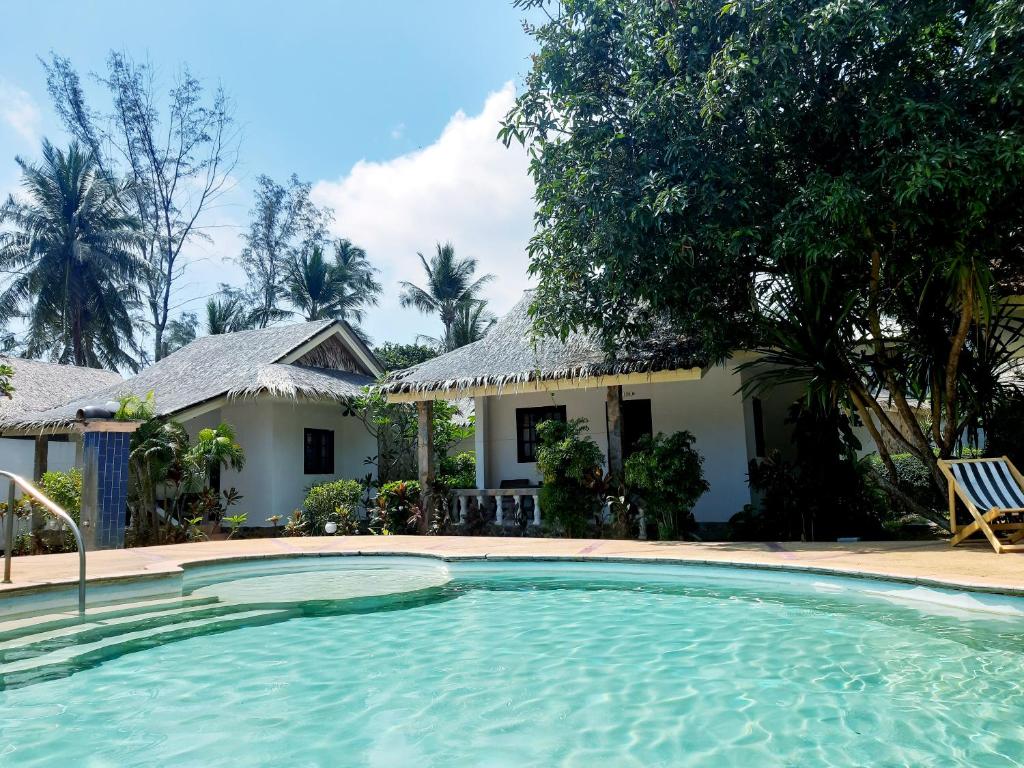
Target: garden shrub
(824,493)
(568,460)
(458,471)
(323,502)
(398,508)
(65,490)
(668,472)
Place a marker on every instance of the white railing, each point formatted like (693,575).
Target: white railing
(462,499)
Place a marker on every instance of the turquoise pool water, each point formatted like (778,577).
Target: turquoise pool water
(545,665)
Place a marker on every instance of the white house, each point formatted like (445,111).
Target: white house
(663,387)
(279,387)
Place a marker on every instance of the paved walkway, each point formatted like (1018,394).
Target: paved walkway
(927,562)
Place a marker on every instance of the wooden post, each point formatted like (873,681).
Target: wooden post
(39,467)
(39,463)
(425,459)
(615,455)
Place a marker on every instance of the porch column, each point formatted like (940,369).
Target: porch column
(425,459)
(480,441)
(39,468)
(39,460)
(615,457)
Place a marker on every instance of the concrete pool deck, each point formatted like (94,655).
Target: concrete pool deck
(932,563)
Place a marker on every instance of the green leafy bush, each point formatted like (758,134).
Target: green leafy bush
(668,472)
(458,471)
(912,476)
(568,460)
(324,500)
(65,490)
(398,508)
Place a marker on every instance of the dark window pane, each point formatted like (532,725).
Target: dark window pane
(318,458)
(527,420)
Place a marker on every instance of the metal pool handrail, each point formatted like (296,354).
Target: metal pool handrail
(30,489)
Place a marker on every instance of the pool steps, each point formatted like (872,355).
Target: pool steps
(50,646)
(56,663)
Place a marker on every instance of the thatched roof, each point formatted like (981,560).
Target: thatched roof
(232,365)
(507,355)
(39,385)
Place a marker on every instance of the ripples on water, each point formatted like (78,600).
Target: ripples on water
(547,671)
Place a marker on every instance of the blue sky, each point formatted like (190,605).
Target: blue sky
(390,109)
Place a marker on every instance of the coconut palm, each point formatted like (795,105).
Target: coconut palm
(472,322)
(449,288)
(355,274)
(72,253)
(226,314)
(321,290)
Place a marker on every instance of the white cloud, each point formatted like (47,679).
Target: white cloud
(398,131)
(19,111)
(466,187)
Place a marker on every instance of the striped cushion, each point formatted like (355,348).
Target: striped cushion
(989,484)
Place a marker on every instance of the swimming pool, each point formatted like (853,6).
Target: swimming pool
(411,661)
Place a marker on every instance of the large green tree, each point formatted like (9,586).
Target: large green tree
(72,257)
(451,286)
(835,184)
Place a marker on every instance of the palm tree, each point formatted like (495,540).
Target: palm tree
(72,253)
(355,274)
(472,322)
(226,314)
(321,290)
(449,288)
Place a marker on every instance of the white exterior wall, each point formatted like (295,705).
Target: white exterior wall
(18,456)
(710,408)
(271,433)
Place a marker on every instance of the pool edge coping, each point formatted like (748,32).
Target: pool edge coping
(172,570)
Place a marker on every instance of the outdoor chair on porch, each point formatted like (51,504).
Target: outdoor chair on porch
(992,490)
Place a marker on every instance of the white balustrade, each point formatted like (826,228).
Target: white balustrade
(482,495)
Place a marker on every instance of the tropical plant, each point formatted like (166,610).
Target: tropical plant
(65,490)
(216,447)
(159,474)
(773,151)
(451,286)
(226,313)
(235,522)
(322,290)
(168,475)
(668,474)
(472,322)
(567,459)
(398,508)
(396,357)
(6,385)
(395,428)
(458,471)
(325,499)
(296,524)
(71,251)
(134,408)
(353,271)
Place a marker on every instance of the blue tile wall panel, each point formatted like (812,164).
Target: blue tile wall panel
(111,454)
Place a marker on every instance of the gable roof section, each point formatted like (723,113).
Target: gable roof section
(241,364)
(507,358)
(40,385)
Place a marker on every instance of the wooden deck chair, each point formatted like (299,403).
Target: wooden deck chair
(992,490)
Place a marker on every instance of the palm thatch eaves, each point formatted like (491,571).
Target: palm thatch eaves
(508,356)
(232,365)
